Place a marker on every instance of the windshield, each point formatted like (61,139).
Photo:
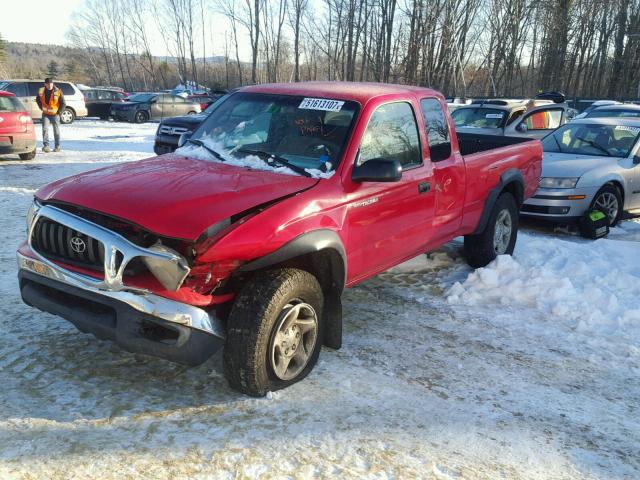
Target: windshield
(3,85)
(283,133)
(141,97)
(478,117)
(599,113)
(11,104)
(598,140)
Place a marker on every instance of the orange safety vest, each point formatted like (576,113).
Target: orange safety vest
(54,101)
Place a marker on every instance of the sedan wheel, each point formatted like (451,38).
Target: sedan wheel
(66,116)
(609,202)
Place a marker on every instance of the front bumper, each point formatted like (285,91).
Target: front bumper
(130,324)
(191,334)
(559,204)
(165,144)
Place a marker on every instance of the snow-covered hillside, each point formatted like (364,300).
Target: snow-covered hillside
(528,368)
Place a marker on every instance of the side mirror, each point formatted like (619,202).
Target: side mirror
(183,138)
(377,170)
(521,127)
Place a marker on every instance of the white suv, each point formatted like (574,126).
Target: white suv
(27,91)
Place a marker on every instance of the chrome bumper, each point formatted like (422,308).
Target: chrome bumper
(141,300)
(112,285)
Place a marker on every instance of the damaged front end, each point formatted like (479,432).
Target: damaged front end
(126,287)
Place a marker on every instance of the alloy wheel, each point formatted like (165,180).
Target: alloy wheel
(502,232)
(296,333)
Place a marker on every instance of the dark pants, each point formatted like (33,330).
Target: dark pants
(55,121)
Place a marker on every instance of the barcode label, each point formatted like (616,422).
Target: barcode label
(321,104)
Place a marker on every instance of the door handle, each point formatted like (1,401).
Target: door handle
(424,187)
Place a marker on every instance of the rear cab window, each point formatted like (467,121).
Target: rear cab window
(392,134)
(437,129)
(548,119)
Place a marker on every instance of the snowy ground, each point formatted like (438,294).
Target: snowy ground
(528,368)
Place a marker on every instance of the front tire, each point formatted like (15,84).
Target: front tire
(609,201)
(499,235)
(67,116)
(29,155)
(274,331)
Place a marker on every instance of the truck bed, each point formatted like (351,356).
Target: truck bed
(470,143)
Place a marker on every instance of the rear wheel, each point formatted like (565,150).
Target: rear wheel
(274,332)
(609,201)
(67,116)
(141,117)
(29,155)
(499,235)
(191,113)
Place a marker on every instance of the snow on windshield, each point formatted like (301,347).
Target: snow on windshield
(251,161)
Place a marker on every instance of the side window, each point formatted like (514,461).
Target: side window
(19,89)
(89,95)
(543,119)
(34,87)
(166,99)
(67,90)
(437,129)
(392,133)
(104,95)
(179,100)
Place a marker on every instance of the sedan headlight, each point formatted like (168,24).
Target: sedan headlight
(559,182)
(31,213)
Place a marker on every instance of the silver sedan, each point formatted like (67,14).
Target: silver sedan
(588,164)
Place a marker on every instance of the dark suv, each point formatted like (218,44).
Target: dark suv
(169,130)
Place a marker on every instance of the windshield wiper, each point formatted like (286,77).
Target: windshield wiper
(595,145)
(200,143)
(266,156)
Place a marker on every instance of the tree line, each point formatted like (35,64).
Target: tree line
(461,47)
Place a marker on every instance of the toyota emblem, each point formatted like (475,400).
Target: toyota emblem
(77,244)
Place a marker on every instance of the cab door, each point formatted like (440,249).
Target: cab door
(389,222)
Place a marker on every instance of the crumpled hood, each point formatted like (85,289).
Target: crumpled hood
(172,195)
(571,165)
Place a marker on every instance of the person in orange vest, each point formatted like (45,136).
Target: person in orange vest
(51,101)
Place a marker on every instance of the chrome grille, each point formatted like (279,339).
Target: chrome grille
(167,130)
(61,243)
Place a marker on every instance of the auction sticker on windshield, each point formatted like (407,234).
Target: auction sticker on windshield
(321,104)
(493,115)
(625,128)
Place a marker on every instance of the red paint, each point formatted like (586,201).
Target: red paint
(380,224)
(16,129)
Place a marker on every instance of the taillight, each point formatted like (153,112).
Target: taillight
(203,106)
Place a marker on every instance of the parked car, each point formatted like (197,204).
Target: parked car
(596,104)
(589,163)
(17,135)
(27,91)
(170,129)
(514,118)
(143,107)
(626,110)
(99,101)
(247,236)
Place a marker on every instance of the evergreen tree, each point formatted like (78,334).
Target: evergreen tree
(53,69)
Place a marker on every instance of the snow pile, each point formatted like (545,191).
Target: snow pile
(592,287)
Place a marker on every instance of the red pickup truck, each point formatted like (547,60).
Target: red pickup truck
(248,234)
